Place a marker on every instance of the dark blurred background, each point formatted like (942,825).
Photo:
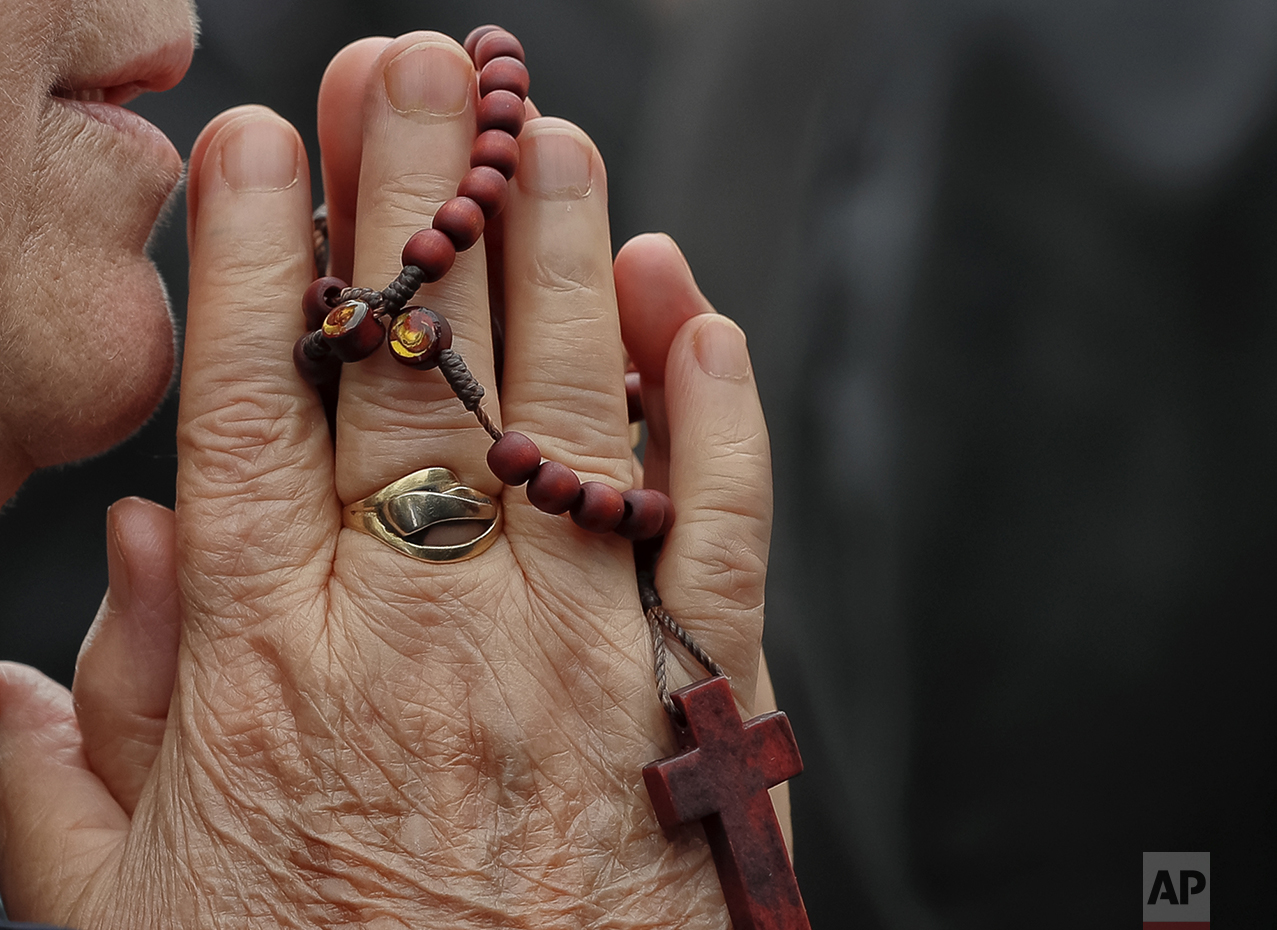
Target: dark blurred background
(1009,273)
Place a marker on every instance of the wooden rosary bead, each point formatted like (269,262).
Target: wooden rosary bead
(314,360)
(554,488)
(320,298)
(477,33)
(599,509)
(487,187)
(645,511)
(501,110)
(495,44)
(498,149)
(461,219)
(417,337)
(432,251)
(505,73)
(352,332)
(514,458)
(633,396)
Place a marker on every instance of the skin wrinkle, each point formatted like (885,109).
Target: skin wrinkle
(402,742)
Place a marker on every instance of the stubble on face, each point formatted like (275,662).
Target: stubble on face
(84,321)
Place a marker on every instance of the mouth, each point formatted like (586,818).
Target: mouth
(156,70)
(118,95)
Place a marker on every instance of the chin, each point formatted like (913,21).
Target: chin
(111,387)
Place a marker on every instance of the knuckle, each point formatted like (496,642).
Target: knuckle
(730,567)
(240,440)
(563,273)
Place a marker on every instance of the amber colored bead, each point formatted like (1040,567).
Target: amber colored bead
(496,149)
(645,511)
(599,509)
(432,251)
(487,187)
(495,44)
(322,295)
(554,488)
(417,337)
(352,332)
(504,73)
(477,33)
(314,359)
(501,110)
(514,458)
(461,219)
(634,396)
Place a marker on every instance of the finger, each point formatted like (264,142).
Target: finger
(340,120)
(656,295)
(126,668)
(58,823)
(255,502)
(419,125)
(714,563)
(564,371)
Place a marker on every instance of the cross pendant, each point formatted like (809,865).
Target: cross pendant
(721,778)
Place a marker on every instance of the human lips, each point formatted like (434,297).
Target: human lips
(156,70)
(102,93)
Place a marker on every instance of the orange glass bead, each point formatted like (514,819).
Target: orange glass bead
(352,331)
(417,336)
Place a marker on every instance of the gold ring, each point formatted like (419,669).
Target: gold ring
(403,512)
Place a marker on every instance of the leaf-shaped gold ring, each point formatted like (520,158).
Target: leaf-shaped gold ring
(402,513)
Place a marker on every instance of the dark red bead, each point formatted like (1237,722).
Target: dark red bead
(496,149)
(430,250)
(514,458)
(501,110)
(322,295)
(633,396)
(495,44)
(504,73)
(487,187)
(554,488)
(461,219)
(645,511)
(315,361)
(352,332)
(417,337)
(477,33)
(599,509)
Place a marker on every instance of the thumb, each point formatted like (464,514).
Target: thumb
(58,823)
(124,675)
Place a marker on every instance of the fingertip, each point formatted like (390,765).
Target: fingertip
(143,535)
(29,701)
(199,151)
(656,294)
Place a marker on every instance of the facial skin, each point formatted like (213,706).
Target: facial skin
(86,341)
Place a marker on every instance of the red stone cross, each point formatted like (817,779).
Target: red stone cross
(721,778)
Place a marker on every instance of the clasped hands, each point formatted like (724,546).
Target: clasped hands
(280,722)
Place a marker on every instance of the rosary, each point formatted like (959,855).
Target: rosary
(724,768)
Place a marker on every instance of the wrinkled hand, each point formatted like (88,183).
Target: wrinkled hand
(281,722)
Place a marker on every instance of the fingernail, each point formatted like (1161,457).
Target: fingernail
(558,166)
(260,155)
(119,584)
(429,78)
(720,349)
